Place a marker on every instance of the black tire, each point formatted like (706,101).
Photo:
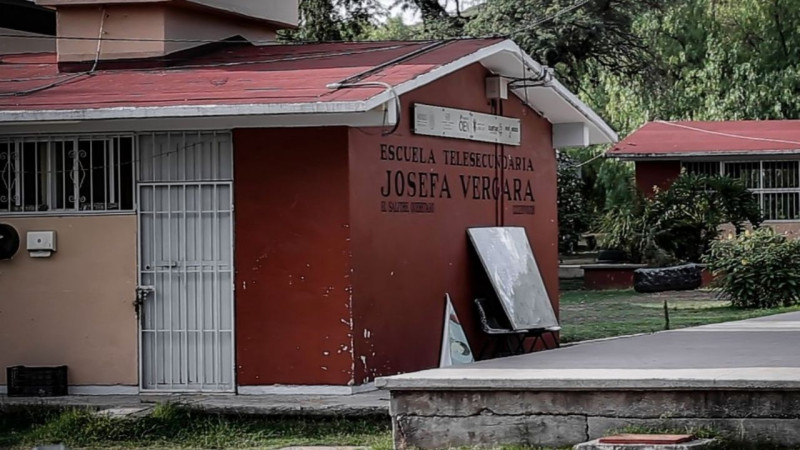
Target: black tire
(677,278)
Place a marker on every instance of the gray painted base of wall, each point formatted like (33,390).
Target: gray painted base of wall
(436,419)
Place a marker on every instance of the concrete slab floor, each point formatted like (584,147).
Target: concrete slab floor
(740,355)
(740,379)
(375,403)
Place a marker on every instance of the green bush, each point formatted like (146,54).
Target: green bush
(573,217)
(759,269)
(680,223)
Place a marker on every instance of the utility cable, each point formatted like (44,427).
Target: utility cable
(389,87)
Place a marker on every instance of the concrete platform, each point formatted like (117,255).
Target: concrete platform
(375,403)
(739,378)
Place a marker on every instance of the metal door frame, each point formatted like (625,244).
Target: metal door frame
(139,186)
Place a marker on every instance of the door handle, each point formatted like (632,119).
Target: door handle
(142,292)
(167,264)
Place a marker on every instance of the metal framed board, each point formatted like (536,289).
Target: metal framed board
(508,260)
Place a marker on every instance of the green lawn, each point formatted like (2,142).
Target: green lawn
(599,314)
(173,427)
(584,315)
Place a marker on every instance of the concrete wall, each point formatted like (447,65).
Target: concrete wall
(189,24)
(10,45)
(122,21)
(448,419)
(404,261)
(76,307)
(151,22)
(293,296)
(278,11)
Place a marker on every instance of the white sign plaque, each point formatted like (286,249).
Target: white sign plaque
(463,124)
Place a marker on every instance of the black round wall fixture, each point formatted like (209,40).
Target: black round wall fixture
(9,241)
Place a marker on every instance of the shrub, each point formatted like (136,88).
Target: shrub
(573,217)
(759,269)
(680,223)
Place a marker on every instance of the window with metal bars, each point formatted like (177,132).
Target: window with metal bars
(776,184)
(707,168)
(66,174)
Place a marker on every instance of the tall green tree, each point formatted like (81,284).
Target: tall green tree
(334,20)
(573,37)
(714,60)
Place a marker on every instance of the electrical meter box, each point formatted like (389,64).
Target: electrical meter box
(41,244)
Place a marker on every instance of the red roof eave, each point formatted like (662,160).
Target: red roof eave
(670,140)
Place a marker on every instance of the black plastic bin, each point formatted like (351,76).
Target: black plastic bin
(36,381)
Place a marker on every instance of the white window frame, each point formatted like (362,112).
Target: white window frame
(760,192)
(12,195)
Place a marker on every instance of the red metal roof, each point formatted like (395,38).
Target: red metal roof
(664,139)
(235,75)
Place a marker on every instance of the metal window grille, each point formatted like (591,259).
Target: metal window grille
(776,184)
(186,156)
(708,168)
(66,174)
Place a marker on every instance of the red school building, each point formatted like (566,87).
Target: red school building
(280,218)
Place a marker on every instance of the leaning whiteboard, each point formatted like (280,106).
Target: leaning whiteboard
(506,255)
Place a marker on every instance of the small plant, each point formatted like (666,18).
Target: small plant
(758,269)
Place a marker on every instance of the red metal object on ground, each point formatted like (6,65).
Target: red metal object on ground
(648,439)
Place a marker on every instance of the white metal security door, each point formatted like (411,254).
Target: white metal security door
(187,317)
(185,296)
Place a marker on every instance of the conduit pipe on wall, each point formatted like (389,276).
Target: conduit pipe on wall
(389,88)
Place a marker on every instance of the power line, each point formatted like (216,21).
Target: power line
(187,41)
(546,19)
(257,42)
(310,55)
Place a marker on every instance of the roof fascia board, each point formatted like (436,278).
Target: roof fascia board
(571,99)
(753,154)
(476,57)
(374,118)
(181,111)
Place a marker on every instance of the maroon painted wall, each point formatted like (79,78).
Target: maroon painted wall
(330,281)
(656,173)
(292,256)
(404,262)
(599,278)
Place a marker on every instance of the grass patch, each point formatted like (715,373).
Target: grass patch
(600,314)
(172,426)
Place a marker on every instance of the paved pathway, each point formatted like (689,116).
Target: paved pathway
(365,404)
(754,353)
